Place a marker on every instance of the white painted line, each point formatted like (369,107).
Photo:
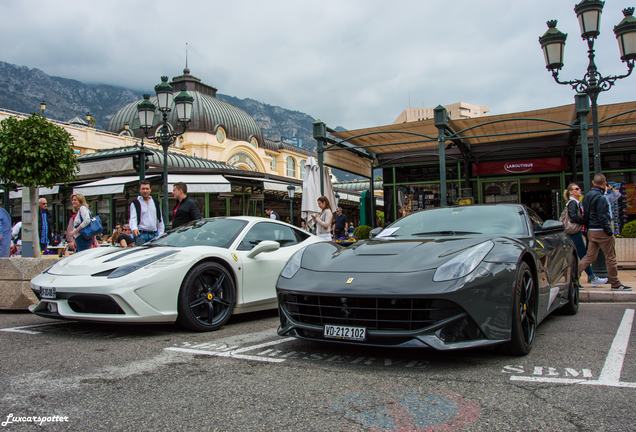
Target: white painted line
(225,354)
(611,372)
(571,381)
(20,329)
(263,345)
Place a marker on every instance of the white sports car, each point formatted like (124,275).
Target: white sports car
(196,275)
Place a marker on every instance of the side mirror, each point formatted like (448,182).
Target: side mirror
(374,232)
(264,246)
(550,226)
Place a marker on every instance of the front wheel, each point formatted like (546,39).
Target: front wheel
(524,315)
(206,298)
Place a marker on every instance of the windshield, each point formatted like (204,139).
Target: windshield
(219,232)
(503,220)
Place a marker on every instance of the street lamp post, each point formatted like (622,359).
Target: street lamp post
(592,83)
(165,135)
(291,190)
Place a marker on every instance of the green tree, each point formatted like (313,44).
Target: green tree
(34,152)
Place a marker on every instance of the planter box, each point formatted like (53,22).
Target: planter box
(626,252)
(15,277)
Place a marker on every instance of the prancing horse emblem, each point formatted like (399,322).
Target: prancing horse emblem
(350,280)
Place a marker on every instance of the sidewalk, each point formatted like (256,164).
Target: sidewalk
(604,293)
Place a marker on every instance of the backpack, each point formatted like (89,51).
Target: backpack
(137,206)
(570,227)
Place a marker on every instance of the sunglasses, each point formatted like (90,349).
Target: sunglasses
(576,188)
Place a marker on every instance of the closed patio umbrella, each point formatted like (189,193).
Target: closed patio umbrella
(311,190)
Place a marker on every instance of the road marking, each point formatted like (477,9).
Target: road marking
(611,372)
(20,329)
(236,353)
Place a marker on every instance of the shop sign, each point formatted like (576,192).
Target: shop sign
(524,166)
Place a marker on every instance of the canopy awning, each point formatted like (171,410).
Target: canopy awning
(201,183)
(41,191)
(108,186)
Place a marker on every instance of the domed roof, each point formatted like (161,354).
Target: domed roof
(208,113)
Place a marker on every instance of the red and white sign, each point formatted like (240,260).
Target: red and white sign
(524,166)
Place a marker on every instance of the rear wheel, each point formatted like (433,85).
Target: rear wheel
(524,315)
(572,306)
(206,298)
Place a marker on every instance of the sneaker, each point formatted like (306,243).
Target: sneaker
(622,288)
(598,281)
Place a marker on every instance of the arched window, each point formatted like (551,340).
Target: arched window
(302,168)
(291,167)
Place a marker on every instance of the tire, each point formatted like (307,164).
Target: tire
(206,298)
(572,306)
(524,313)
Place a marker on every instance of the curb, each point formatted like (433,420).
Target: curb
(588,296)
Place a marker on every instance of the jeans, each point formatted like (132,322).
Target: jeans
(599,240)
(144,236)
(82,244)
(581,250)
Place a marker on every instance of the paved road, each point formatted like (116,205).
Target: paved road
(244,377)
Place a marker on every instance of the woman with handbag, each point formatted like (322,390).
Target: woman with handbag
(82,220)
(573,221)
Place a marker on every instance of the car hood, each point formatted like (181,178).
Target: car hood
(386,256)
(103,259)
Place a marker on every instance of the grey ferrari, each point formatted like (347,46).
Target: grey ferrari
(446,278)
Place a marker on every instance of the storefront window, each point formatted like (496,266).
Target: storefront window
(421,197)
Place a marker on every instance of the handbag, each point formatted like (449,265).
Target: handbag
(93,228)
(570,227)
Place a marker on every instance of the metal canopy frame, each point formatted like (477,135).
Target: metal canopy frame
(576,130)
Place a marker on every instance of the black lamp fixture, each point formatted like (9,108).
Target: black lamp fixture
(165,134)
(291,191)
(552,43)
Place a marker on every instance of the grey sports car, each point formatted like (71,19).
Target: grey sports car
(446,278)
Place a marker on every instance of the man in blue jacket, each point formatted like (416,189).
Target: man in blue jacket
(599,231)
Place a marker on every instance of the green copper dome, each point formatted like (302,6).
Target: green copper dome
(208,113)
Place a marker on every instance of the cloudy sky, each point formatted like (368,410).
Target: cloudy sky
(354,63)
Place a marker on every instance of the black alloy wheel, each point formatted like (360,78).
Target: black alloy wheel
(524,318)
(206,298)
(572,306)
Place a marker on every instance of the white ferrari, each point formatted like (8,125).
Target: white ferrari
(197,275)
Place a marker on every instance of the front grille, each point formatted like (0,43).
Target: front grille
(94,304)
(370,312)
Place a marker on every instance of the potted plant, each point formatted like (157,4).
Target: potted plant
(626,246)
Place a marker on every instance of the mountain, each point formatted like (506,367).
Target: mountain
(22,89)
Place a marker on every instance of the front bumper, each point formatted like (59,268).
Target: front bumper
(402,309)
(101,299)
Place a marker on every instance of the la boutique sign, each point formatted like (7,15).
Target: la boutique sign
(518,167)
(526,166)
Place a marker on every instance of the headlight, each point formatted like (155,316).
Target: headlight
(464,263)
(129,268)
(293,265)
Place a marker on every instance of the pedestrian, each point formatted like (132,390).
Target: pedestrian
(70,240)
(340,225)
(271,213)
(145,218)
(324,219)
(303,225)
(16,236)
(186,209)
(599,231)
(82,219)
(124,238)
(45,224)
(574,210)
(114,235)
(5,233)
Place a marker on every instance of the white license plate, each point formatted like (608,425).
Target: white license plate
(47,293)
(345,332)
